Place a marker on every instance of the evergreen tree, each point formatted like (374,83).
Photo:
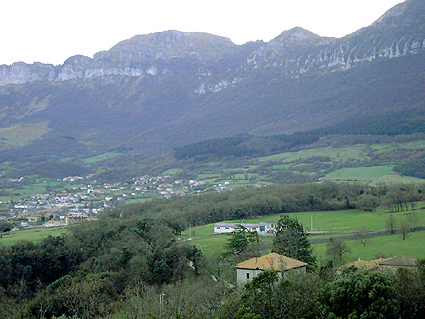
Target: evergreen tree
(243,241)
(238,243)
(291,241)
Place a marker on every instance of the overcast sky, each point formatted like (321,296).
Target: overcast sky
(50,31)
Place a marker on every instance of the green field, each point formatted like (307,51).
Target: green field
(340,154)
(21,134)
(373,175)
(383,246)
(337,223)
(369,163)
(34,234)
(100,157)
(171,171)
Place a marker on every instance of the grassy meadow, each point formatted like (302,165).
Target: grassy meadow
(101,157)
(21,134)
(373,175)
(382,246)
(34,234)
(366,163)
(336,223)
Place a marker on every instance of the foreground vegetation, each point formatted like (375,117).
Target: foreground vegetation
(136,262)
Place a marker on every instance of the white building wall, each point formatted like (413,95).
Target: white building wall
(246,275)
(261,228)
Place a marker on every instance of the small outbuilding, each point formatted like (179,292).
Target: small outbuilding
(249,269)
(394,263)
(382,264)
(361,264)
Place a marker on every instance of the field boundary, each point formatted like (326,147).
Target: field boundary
(366,235)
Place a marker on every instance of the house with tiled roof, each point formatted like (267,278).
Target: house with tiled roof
(382,264)
(249,269)
(361,264)
(394,263)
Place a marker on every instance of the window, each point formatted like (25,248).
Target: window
(247,275)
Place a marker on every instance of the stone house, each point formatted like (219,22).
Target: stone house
(249,269)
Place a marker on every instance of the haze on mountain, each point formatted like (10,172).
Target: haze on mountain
(156,92)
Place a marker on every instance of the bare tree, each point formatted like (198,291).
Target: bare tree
(361,237)
(391,224)
(404,229)
(336,248)
(413,219)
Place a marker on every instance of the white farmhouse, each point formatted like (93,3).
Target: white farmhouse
(262,228)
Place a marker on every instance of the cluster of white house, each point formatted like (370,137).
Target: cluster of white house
(262,228)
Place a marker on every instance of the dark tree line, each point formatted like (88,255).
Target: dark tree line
(227,146)
(412,167)
(178,212)
(248,145)
(404,122)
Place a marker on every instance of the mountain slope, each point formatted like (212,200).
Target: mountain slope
(152,93)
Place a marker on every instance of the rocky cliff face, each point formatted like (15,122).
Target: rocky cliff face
(20,72)
(298,52)
(141,55)
(399,32)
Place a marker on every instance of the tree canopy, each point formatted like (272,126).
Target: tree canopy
(291,241)
(362,294)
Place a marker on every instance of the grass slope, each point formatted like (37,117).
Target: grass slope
(337,223)
(34,234)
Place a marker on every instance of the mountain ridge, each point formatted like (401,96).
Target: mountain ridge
(153,93)
(142,54)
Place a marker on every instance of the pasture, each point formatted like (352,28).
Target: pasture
(21,134)
(101,157)
(335,223)
(368,163)
(370,174)
(34,234)
(382,246)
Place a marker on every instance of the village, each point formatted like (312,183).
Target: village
(82,198)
